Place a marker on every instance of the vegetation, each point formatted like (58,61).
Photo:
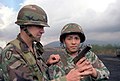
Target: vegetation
(108,49)
(105,49)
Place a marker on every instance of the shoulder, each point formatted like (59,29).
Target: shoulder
(11,57)
(91,56)
(8,47)
(11,46)
(8,51)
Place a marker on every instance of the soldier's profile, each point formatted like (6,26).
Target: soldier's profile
(22,57)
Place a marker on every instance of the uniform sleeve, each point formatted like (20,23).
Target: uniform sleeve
(1,71)
(102,71)
(14,67)
(56,72)
(63,78)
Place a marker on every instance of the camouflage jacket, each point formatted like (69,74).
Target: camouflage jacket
(1,72)
(20,64)
(66,63)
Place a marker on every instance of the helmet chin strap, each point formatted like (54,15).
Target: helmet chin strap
(34,41)
(29,34)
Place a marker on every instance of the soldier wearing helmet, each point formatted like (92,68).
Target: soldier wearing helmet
(72,28)
(22,57)
(88,68)
(32,15)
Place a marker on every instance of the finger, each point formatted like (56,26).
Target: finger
(88,62)
(57,56)
(54,57)
(82,77)
(81,60)
(87,72)
(82,65)
(84,68)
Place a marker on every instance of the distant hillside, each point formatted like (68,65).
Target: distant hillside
(96,42)
(53,44)
(57,43)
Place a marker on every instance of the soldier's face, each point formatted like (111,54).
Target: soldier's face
(36,31)
(72,43)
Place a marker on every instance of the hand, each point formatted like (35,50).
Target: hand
(73,75)
(86,68)
(54,58)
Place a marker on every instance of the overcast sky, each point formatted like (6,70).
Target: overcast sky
(100,19)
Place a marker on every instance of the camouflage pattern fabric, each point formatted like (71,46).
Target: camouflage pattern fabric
(1,72)
(32,15)
(16,68)
(72,28)
(66,63)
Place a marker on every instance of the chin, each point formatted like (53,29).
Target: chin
(38,39)
(74,50)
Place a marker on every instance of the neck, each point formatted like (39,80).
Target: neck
(73,54)
(26,39)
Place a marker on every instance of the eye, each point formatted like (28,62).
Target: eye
(77,38)
(68,38)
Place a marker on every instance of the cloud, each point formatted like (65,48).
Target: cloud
(97,24)
(7,27)
(104,24)
(9,32)
(108,21)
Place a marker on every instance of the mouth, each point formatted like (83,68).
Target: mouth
(39,35)
(73,47)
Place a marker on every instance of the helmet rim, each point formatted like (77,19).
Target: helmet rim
(27,22)
(32,15)
(81,35)
(70,29)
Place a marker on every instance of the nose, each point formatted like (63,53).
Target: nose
(73,41)
(42,30)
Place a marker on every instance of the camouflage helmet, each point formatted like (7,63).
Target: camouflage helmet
(72,28)
(32,15)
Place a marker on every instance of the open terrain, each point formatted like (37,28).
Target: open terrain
(113,64)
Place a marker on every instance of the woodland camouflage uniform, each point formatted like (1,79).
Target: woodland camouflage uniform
(1,77)
(66,63)
(15,65)
(18,62)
